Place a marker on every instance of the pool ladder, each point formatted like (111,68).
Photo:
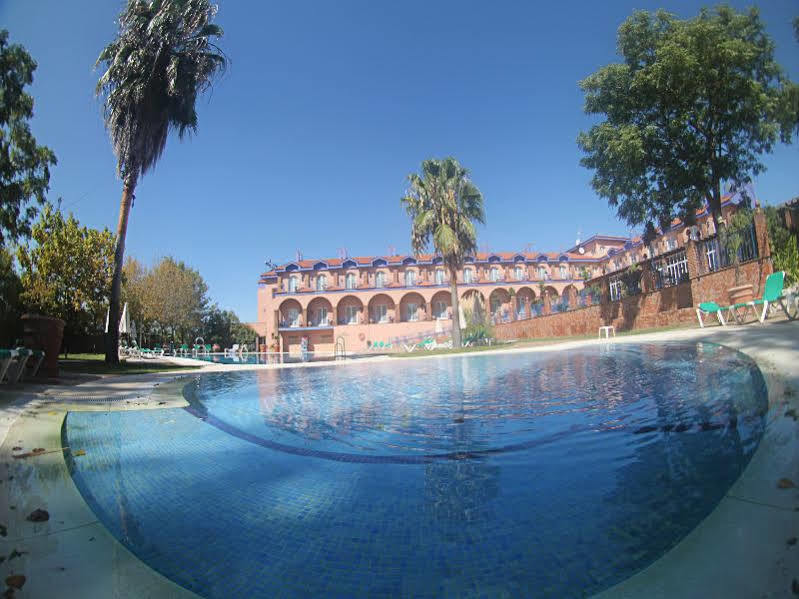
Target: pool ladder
(339,352)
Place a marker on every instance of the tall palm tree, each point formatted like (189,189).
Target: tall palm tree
(444,206)
(162,59)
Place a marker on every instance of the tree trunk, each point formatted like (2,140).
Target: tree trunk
(456,320)
(715,204)
(112,336)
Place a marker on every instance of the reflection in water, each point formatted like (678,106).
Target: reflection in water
(541,474)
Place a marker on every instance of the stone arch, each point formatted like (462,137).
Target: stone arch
(290,313)
(525,297)
(343,312)
(438,298)
(498,300)
(407,313)
(473,304)
(570,294)
(552,293)
(320,312)
(381,299)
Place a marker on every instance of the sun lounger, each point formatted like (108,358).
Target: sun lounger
(7,356)
(773,296)
(710,308)
(13,364)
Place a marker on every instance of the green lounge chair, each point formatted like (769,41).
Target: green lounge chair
(7,356)
(15,369)
(710,308)
(772,295)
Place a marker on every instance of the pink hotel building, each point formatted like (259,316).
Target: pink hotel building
(369,300)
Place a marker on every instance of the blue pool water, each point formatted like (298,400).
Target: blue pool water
(531,474)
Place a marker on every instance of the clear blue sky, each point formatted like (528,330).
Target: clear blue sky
(327,106)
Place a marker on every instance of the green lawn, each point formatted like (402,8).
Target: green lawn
(95,364)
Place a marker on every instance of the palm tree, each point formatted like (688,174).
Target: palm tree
(161,60)
(444,206)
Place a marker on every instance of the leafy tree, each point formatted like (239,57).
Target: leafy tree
(174,300)
(444,206)
(10,290)
(225,328)
(784,250)
(161,60)
(695,102)
(66,271)
(24,165)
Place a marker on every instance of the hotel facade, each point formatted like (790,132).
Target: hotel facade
(384,302)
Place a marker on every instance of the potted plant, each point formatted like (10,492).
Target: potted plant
(733,235)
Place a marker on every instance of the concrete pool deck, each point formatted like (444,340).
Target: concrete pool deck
(742,549)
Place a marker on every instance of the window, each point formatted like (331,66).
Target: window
(468,276)
(410,278)
(349,282)
(440,310)
(542,273)
(320,317)
(411,312)
(351,314)
(563,273)
(615,288)
(439,277)
(518,273)
(321,282)
(380,279)
(293,317)
(292,284)
(494,273)
(380,313)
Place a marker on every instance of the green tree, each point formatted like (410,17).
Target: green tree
(225,328)
(66,271)
(695,102)
(162,59)
(784,250)
(174,300)
(24,165)
(444,206)
(10,290)
(134,275)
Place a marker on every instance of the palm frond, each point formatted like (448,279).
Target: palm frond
(162,59)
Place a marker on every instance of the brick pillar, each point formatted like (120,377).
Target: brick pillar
(428,311)
(527,313)
(647,280)
(761,234)
(547,309)
(695,266)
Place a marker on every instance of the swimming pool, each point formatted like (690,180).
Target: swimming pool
(549,473)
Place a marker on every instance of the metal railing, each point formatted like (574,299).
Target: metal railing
(714,256)
(670,269)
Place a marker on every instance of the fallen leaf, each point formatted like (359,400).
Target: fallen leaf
(791,541)
(16,448)
(38,516)
(16,581)
(785,483)
(79,452)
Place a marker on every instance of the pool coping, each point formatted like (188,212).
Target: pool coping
(740,549)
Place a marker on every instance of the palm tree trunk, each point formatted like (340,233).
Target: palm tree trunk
(112,336)
(456,321)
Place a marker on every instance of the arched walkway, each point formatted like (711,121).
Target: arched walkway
(499,304)
(412,307)
(473,305)
(320,312)
(349,310)
(570,295)
(524,298)
(441,304)
(382,309)
(290,314)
